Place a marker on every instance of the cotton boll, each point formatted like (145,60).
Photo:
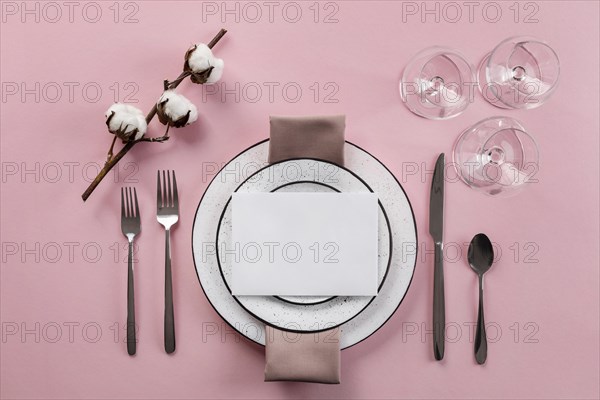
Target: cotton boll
(203,65)
(193,115)
(177,105)
(199,58)
(176,110)
(124,121)
(217,71)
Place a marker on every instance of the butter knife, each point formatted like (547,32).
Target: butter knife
(436,229)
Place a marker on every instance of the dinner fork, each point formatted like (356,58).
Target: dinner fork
(167,214)
(130,226)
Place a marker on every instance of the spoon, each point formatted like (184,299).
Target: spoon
(480,256)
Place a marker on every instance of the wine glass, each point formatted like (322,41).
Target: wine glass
(437,83)
(521,72)
(496,156)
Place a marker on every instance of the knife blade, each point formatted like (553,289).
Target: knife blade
(436,229)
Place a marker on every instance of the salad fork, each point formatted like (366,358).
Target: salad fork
(167,214)
(130,226)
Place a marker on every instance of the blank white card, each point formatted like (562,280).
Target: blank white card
(304,244)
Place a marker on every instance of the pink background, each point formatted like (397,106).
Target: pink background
(542,293)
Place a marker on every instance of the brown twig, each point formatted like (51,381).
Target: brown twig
(112,161)
(216,39)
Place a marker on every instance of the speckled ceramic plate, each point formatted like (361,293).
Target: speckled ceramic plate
(392,197)
(311,175)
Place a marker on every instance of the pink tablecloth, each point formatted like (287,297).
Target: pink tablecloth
(63,275)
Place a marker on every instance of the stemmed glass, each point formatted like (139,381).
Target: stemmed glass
(521,72)
(437,83)
(496,156)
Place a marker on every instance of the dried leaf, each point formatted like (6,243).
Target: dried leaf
(181,122)
(186,66)
(160,112)
(112,114)
(201,77)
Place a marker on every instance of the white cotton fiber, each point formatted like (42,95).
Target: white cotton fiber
(202,58)
(126,119)
(178,106)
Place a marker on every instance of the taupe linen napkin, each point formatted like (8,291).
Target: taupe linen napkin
(306,357)
(319,137)
(302,357)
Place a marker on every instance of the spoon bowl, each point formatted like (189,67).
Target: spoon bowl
(481,254)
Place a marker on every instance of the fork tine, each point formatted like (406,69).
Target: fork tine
(126,203)
(137,207)
(158,192)
(127,212)
(129,204)
(175,196)
(164,190)
(170,197)
(122,205)
(132,215)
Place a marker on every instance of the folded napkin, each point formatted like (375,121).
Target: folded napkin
(320,137)
(303,357)
(306,357)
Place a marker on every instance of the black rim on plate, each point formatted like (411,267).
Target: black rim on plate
(316,183)
(273,191)
(303,305)
(232,326)
(331,297)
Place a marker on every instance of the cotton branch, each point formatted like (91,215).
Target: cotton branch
(114,159)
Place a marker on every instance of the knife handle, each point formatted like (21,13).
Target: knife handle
(439,306)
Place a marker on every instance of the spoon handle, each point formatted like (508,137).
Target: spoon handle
(480,336)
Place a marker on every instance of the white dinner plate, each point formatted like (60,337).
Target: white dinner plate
(392,197)
(312,175)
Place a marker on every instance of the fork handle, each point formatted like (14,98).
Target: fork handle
(131,340)
(169,318)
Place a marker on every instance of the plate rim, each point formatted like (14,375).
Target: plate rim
(358,147)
